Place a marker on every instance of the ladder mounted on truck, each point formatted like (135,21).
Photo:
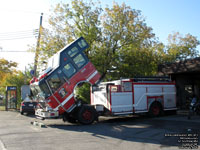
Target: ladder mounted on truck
(152,79)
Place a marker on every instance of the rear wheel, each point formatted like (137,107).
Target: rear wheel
(86,114)
(155,110)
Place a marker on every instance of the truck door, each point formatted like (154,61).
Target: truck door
(57,85)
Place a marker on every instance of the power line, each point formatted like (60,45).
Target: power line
(15,51)
(17,38)
(23,11)
(20,32)
(18,35)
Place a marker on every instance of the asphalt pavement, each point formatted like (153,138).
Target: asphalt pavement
(117,133)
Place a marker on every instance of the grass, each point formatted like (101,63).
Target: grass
(2,108)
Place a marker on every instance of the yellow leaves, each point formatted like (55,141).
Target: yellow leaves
(6,67)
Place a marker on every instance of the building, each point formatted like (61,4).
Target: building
(186,74)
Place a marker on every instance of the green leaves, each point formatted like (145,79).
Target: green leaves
(180,48)
(9,76)
(128,41)
(121,43)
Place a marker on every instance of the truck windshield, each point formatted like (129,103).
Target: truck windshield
(45,90)
(40,91)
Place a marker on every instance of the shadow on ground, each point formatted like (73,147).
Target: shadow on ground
(135,129)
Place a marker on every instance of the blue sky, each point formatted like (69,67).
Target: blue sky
(164,16)
(168,16)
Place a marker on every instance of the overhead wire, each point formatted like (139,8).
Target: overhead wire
(19,32)
(15,51)
(18,35)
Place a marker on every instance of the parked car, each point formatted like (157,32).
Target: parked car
(28,106)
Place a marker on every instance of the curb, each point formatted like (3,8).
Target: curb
(182,112)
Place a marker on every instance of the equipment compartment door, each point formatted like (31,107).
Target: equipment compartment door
(121,101)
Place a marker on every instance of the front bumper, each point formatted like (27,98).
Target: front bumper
(46,114)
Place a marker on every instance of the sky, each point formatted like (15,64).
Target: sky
(20,18)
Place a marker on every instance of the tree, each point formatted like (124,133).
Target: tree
(112,34)
(6,67)
(181,48)
(121,43)
(15,79)
(128,42)
(67,24)
(9,76)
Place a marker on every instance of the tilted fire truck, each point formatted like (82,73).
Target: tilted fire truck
(70,67)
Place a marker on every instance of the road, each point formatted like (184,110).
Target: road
(122,133)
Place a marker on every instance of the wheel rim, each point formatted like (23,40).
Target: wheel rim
(87,115)
(156,110)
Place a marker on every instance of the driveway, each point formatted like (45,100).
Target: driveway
(117,133)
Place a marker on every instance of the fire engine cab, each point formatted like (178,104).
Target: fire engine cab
(54,88)
(132,96)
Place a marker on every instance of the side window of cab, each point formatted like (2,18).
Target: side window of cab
(69,70)
(55,82)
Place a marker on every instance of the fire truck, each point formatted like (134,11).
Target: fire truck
(55,86)
(70,67)
(152,95)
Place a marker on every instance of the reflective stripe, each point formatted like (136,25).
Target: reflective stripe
(71,95)
(88,79)
(65,101)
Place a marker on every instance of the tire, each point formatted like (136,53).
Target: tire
(21,112)
(71,120)
(86,115)
(155,110)
(68,118)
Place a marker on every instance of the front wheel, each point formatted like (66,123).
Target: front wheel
(21,111)
(86,115)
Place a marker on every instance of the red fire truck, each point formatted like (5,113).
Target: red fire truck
(67,69)
(55,87)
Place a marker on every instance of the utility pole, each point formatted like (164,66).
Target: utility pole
(37,46)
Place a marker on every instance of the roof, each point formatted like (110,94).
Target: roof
(184,66)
